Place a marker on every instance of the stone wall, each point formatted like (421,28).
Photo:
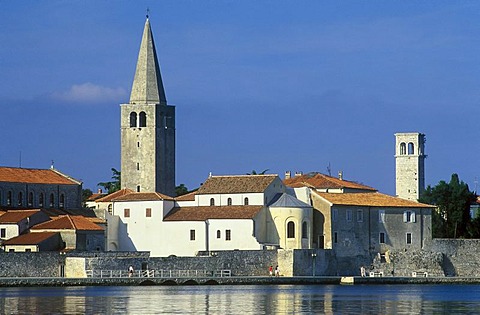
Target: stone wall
(42,264)
(461,257)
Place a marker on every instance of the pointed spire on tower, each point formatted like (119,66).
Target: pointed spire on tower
(147,85)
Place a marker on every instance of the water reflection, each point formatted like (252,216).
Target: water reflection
(327,299)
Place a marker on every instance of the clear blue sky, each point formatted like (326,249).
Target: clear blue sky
(278,85)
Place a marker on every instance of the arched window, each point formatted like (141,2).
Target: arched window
(411,148)
(229,201)
(212,201)
(403,148)
(40,200)
(62,201)
(9,198)
(219,234)
(143,119)
(304,230)
(245,201)
(133,119)
(52,201)
(20,199)
(290,229)
(30,199)
(109,209)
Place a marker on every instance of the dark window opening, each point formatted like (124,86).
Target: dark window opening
(229,201)
(192,235)
(290,230)
(228,235)
(52,201)
(245,201)
(133,119)
(143,119)
(304,230)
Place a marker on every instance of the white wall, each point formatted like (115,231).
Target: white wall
(11,230)
(241,232)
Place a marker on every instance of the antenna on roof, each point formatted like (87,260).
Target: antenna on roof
(329,170)
(53,163)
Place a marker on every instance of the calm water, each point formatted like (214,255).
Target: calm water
(327,299)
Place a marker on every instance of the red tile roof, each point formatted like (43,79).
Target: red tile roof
(15,216)
(116,194)
(205,212)
(187,197)
(96,196)
(321,181)
(370,200)
(30,238)
(68,222)
(236,184)
(35,176)
(145,196)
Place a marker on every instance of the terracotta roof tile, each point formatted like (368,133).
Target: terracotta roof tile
(321,181)
(96,196)
(15,216)
(236,184)
(37,176)
(205,212)
(118,193)
(30,238)
(370,200)
(187,197)
(145,196)
(68,222)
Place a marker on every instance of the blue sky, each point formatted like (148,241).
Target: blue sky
(278,85)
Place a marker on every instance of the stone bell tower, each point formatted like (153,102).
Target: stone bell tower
(410,165)
(148,127)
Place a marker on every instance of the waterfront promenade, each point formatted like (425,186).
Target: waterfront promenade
(232,280)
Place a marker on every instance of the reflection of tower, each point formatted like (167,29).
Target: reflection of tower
(148,127)
(410,165)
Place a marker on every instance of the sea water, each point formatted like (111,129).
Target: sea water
(242,299)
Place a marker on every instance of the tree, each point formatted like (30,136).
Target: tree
(181,190)
(86,193)
(114,185)
(261,173)
(453,199)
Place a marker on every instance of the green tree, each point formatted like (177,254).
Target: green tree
(254,172)
(453,199)
(86,193)
(181,190)
(114,185)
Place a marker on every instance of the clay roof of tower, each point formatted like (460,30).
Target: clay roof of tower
(147,85)
(143,196)
(322,181)
(35,176)
(370,200)
(203,213)
(15,216)
(68,222)
(236,184)
(30,238)
(114,195)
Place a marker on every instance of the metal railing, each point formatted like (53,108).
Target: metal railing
(94,273)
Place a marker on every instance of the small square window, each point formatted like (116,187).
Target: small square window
(126,213)
(148,212)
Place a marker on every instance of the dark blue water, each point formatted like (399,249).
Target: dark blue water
(271,299)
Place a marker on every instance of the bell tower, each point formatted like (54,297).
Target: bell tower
(410,165)
(148,127)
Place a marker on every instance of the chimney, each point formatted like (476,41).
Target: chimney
(288,174)
(99,191)
(298,174)
(340,175)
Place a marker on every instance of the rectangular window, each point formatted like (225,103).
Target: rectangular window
(28,249)
(359,215)
(228,235)
(409,216)
(3,233)
(382,238)
(126,213)
(349,215)
(335,237)
(335,215)
(381,216)
(409,238)
(148,212)
(192,235)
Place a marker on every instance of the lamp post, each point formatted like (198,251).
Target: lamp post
(314,256)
